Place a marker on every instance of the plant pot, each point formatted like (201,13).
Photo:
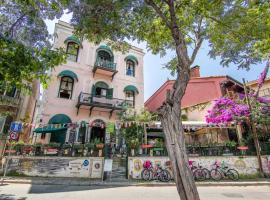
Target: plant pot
(132,152)
(100,146)
(100,153)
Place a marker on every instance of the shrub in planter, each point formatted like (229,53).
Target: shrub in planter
(53,145)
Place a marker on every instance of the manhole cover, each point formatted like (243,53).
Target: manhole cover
(232,195)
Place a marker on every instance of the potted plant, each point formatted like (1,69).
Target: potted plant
(18,147)
(66,149)
(229,145)
(90,146)
(78,148)
(133,143)
(51,148)
(243,147)
(99,145)
(37,149)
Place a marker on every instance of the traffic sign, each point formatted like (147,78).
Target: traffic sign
(16,127)
(13,135)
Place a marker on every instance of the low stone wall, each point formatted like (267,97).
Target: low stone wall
(83,167)
(246,166)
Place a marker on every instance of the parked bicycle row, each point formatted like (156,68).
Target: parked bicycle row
(217,172)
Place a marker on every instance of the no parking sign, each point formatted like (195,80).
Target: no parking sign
(13,136)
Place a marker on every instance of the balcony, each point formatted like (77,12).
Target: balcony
(109,104)
(9,101)
(104,67)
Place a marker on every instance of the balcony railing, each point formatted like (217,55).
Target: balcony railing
(9,101)
(103,101)
(105,64)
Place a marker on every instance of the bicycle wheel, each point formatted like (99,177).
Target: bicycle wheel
(206,173)
(199,175)
(164,176)
(233,174)
(215,175)
(146,174)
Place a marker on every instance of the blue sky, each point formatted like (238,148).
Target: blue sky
(155,75)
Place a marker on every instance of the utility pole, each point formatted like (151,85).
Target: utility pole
(254,131)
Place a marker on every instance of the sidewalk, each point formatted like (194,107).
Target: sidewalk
(87,182)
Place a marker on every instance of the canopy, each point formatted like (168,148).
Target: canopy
(74,39)
(105,48)
(69,74)
(59,119)
(101,84)
(131,88)
(49,129)
(133,58)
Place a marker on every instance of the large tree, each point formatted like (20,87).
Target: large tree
(25,45)
(232,28)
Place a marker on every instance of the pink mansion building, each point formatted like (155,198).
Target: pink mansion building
(89,90)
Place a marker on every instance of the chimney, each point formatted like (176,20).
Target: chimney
(195,72)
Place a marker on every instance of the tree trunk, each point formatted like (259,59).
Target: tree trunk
(170,115)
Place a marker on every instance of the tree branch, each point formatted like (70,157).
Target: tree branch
(11,31)
(159,12)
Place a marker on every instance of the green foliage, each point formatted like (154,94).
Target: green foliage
(53,144)
(230,144)
(238,31)
(90,145)
(25,46)
(20,65)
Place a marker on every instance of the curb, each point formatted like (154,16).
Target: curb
(126,184)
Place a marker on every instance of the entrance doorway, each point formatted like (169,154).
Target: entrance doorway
(98,131)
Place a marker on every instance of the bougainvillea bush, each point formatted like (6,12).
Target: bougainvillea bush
(226,110)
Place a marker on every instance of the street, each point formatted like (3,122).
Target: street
(55,192)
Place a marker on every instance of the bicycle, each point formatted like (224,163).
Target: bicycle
(158,173)
(199,173)
(219,172)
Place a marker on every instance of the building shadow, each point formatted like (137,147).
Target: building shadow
(11,197)
(40,189)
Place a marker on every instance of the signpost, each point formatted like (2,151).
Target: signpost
(15,128)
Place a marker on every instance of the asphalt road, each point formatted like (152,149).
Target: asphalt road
(55,192)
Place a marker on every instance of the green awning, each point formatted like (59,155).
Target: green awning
(60,119)
(101,84)
(49,129)
(68,73)
(132,58)
(74,39)
(131,88)
(105,48)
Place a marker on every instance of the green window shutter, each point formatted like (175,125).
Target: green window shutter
(93,90)
(110,93)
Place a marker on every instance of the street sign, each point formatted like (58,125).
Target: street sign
(16,127)
(13,135)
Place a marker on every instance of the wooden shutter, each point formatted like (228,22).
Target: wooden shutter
(110,93)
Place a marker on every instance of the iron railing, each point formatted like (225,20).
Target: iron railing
(105,64)
(89,99)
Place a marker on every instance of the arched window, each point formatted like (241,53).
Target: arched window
(130,68)
(130,98)
(66,87)
(72,51)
